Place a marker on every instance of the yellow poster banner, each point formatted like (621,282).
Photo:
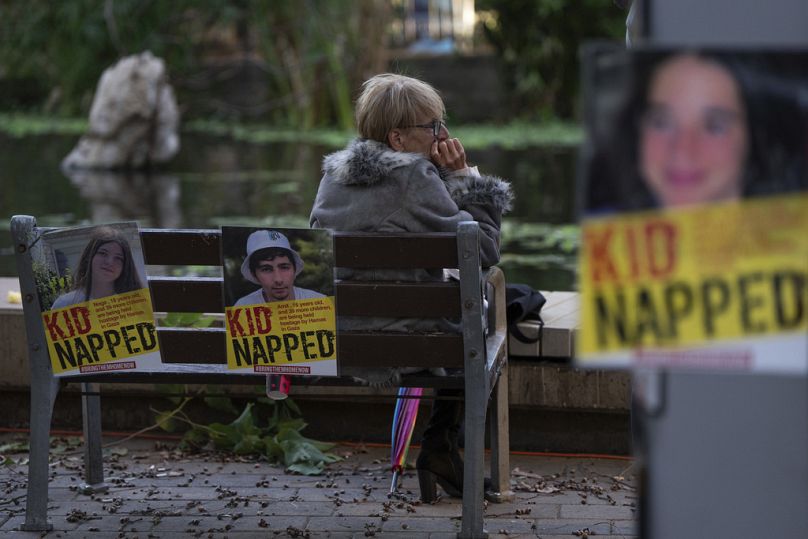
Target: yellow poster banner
(668,280)
(282,337)
(101,334)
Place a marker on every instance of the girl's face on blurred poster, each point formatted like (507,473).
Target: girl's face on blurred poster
(693,136)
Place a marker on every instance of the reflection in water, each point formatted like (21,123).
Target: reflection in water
(216,180)
(151,199)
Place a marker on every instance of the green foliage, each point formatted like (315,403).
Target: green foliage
(49,285)
(275,436)
(540,237)
(318,273)
(22,125)
(532,248)
(173,392)
(311,52)
(261,134)
(515,135)
(14,447)
(538,42)
(519,134)
(186,320)
(66,45)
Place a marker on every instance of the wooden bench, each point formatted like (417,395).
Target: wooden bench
(194,355)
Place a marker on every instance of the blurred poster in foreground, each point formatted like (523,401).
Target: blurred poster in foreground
(695,211)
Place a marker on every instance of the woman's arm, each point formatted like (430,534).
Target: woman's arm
(435,205)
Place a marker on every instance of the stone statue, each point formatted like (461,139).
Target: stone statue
(133,118)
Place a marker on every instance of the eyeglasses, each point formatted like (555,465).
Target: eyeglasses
(434,125)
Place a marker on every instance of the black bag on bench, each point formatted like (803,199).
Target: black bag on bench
(523,303)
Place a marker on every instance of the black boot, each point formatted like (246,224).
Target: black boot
(439,461)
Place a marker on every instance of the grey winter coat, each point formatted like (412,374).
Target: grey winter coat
(368,187)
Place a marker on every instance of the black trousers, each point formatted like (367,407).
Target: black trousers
(443,428)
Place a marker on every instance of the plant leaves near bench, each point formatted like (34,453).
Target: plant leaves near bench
(194,438)
(282,410)
(301,454)
(273,449)
(222,404)
(249,444)
(119,451)
(278,425)
(60,446)
(228,436)
(14,447)
(280,440)
(165,420)
(186,320)
(173,392)
(289,438)
(245,424)
(224,437)
(305,468)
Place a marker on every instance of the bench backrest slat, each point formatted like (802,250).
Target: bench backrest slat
(396,300)
(187,295)
(399,300)
(206,346)
(202,247)
(435,250)
(167,247)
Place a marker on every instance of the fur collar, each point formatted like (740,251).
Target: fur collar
(365,162)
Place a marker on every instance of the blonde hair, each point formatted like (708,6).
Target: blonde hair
(389,100)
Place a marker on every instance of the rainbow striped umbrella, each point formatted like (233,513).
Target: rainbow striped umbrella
(403,423)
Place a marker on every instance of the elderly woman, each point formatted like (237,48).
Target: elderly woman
(405,174)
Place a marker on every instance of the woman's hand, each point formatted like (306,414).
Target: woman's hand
(449,154)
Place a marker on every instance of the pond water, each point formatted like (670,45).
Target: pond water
(215,180)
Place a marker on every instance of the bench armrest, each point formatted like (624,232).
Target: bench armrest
(496,339)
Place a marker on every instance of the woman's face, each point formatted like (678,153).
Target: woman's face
(107,263)
(693,141)
(420,139)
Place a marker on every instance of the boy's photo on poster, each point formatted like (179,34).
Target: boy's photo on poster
(264,265)
(280,317)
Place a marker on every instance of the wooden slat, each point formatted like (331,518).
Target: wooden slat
(398,300)
(202,247)
(207,346)
(395,300)
(187,295)
(406,251)
(168,247)
(400,350)
(197,345)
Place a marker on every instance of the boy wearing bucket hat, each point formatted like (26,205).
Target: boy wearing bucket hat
(272,264)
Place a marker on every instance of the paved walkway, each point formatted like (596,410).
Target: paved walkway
(156,491)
